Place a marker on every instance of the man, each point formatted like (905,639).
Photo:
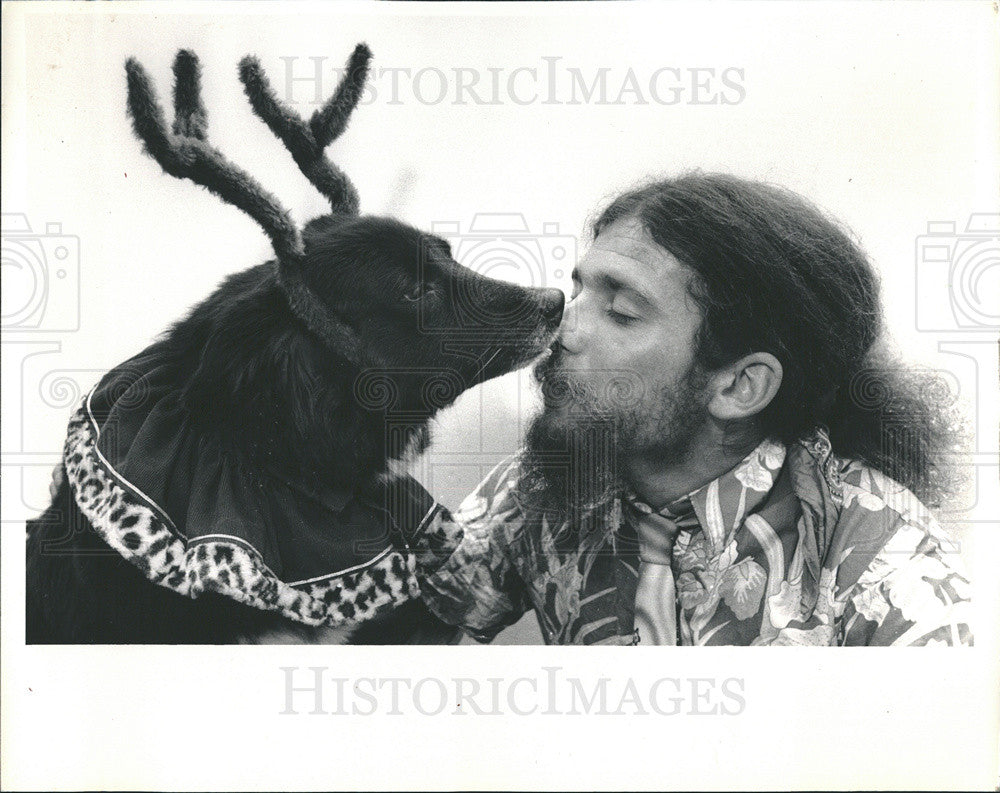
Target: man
(721,458)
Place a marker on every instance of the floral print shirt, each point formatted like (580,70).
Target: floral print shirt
(794,546)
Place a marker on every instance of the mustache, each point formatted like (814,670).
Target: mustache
(618,390)
(549,364)
(559,387)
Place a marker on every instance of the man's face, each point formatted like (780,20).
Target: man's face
(622,366)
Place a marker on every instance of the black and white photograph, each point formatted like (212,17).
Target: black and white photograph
(487,329)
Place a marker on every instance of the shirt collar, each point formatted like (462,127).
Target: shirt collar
(722,504)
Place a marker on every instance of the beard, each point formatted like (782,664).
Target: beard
(577,449)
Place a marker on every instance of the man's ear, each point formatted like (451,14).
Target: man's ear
(745,387)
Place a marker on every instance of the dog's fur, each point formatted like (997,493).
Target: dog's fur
(253,377)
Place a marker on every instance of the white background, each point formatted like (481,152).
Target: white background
(884,114)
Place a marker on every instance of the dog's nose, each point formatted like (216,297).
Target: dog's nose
(553,301)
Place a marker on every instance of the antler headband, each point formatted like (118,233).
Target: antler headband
(186,154)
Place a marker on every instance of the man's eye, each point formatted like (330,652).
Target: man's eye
(621,319)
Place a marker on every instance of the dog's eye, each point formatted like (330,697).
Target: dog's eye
(419,292)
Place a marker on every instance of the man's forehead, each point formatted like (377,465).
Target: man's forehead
(628,239)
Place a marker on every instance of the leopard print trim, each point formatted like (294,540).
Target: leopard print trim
(135,527)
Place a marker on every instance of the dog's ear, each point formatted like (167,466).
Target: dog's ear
(320,227)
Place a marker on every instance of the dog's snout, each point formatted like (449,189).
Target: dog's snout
(553,302)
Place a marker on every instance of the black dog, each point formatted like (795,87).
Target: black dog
(238,479)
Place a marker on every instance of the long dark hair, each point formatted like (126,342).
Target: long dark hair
(773,274)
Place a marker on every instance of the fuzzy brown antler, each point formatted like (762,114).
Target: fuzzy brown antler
(186,154)
(306,141)
(190,116)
